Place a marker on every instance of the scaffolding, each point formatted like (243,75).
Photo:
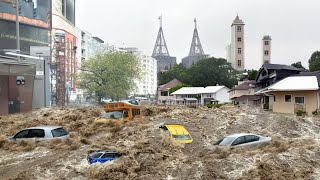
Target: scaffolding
(58,71)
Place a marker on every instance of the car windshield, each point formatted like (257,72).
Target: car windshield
(225,141)
(59,132)
(113,114)
(181,136)
(95,155)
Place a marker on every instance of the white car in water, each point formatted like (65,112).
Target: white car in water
(42,133)
(241,140)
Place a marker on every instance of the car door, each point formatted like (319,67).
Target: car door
(252,140)
(107,157)
(240,141)
(22,134)
(36,133)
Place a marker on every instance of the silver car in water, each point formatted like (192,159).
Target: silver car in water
(241,140)
(42,133)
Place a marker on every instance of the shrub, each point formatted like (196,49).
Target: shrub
(300,112)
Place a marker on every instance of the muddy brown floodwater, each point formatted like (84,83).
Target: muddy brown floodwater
(293,154)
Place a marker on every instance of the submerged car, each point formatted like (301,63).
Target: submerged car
(42,133)
(102,156)
(241,140)
(177,132)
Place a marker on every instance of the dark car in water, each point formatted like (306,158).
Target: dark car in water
(102,156)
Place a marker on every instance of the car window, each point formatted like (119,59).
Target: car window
(36,133)
(96,155)
(225,141)
(182,136)
(22,134)
(59,132)
(109,155)
(239,140)
(164,129)
(252,138)
(113,115)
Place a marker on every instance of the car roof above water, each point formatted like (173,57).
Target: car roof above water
(106,151)
(241,134)
(45,127)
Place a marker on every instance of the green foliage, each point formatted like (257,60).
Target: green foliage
(252,74)
(178,87)
(300,112)
(298,65)
(207,72)
(109,74)
(314,61)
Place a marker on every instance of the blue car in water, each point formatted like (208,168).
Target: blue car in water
(102,156)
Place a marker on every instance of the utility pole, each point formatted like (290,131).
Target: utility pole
(17,28)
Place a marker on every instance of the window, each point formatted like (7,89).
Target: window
(63,7)
(299,100)
(252,138)
(59,132)
(239,50)
(109,155)
(135,112)
(266,62)
(125,113)
(287,98)
(239,39)
(239,63)
(239,140)
(36,133)
(266,53)
(274,98)
(238,28)
(96,155)
(22,134)
(266,43)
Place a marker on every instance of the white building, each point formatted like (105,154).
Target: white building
(147,84)
(235,54)
(91,45)
(211,94)
(201,95)
(266,50)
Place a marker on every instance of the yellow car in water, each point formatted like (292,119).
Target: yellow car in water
(177,132)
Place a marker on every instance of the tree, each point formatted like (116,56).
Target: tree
(252,74)
(177,87)
(314,61)
(111,74)
(210,72)
(298,65)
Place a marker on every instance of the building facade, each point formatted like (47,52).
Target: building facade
(91,45)
(266,50)
(146,85)
(64,49)
(23,83)
(235,54)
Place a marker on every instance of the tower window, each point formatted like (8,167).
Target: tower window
(266,43)
(266,53)
(239,39)
(239,63)
(266,62)
(239,50)
(238,28)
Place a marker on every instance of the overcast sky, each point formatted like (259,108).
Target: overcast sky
(294,25)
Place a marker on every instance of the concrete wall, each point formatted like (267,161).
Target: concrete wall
(310,101)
